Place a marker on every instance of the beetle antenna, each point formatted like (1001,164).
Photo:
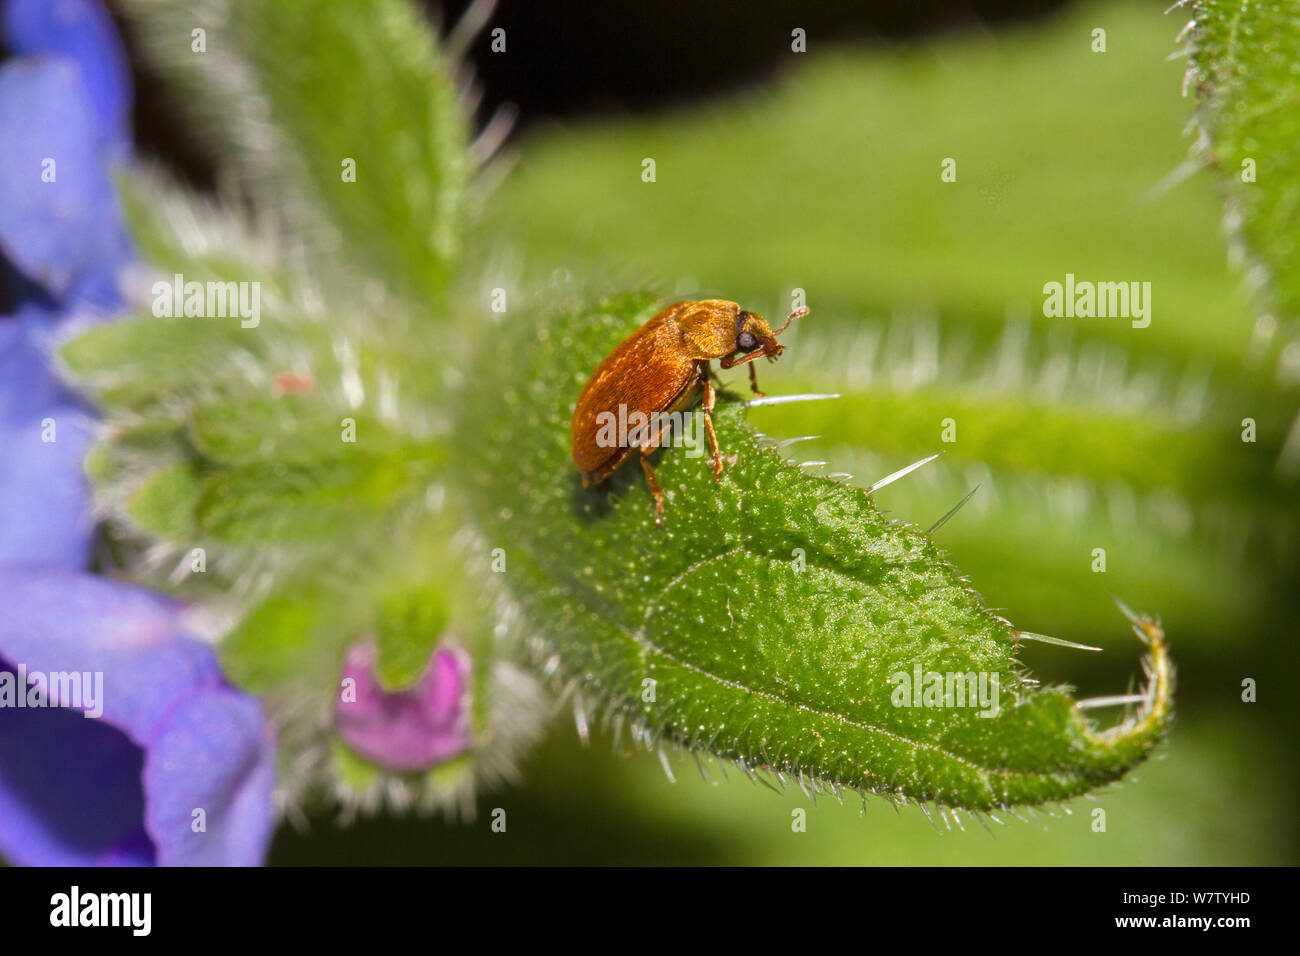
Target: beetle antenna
(796,314)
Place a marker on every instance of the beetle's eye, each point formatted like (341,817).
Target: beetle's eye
(746,342)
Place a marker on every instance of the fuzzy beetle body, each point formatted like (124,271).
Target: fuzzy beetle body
(660,369)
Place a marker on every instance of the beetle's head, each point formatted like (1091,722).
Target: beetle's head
(755,338)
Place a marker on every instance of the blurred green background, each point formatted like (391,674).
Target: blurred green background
(926,303)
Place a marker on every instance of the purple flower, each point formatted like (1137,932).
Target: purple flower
(63,118)
(174,766)
(45,431)
(411,729)
(82,32)
(178,769)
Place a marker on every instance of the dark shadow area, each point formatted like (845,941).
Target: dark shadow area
(567,58)
(570,58)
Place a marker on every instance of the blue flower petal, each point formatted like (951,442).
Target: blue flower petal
(82,31)
(70,791)
(44,492)
(218,728)
(59,217)
(61,621)
(173,737)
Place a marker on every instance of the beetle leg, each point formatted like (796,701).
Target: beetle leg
(753,379)
(654,486)
(709,397)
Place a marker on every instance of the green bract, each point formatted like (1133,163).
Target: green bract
(355,144)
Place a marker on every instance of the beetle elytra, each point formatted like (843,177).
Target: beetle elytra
(660,369)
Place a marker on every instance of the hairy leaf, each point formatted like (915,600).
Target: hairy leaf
(1073,448)
(927,297)
(1243,58)
(774,617)
(1244,55)
(360,147)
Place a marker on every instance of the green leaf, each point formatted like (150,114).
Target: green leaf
(139,362)
(179,232)
(404,596)
(1243,59)
(371,94)
(769,619)
(229,456)
(269,647)
(1030,542)
(1059,413)
(165,503)
(284,427)
(927,299)
(1244,56)
(1073,448)
(297,502)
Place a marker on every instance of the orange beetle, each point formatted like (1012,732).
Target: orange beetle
(659,369)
